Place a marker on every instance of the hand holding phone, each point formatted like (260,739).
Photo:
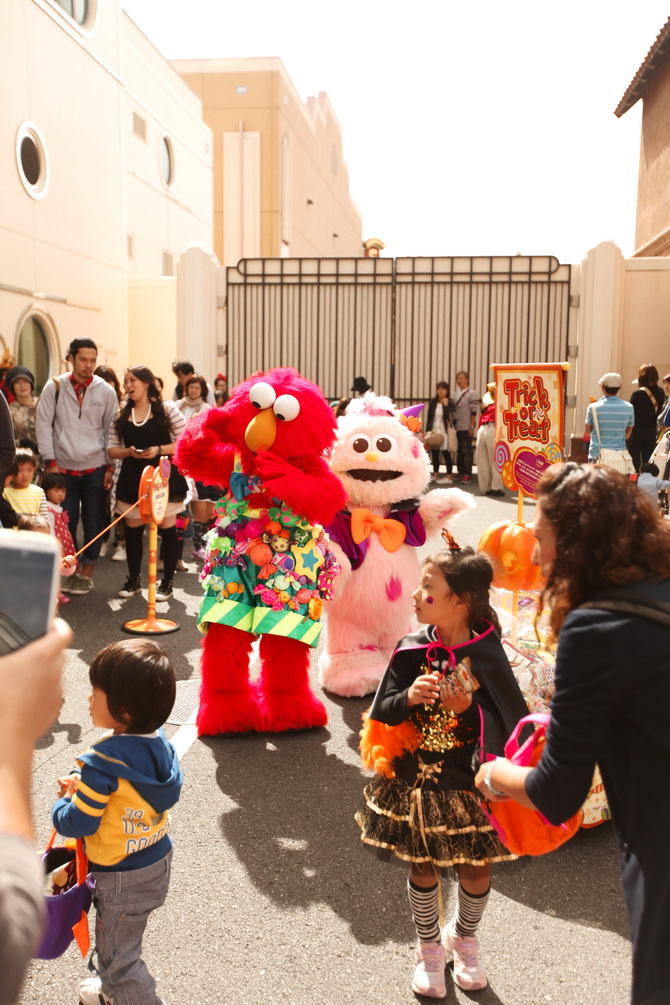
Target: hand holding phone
(30,684)
(29,582)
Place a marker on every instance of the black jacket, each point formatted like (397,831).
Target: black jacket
(446,414)
(612,706)
(497,704)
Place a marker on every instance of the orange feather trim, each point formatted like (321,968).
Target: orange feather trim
(382,744)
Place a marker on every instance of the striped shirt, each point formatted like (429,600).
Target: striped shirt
(614,416)
(28,501)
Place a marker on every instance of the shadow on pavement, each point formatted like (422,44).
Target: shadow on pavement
(294,831)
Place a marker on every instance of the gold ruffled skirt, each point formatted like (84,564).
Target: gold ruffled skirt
(425,824)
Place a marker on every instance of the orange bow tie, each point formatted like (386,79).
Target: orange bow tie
(364,522)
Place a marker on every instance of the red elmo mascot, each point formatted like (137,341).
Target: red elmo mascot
(268,567)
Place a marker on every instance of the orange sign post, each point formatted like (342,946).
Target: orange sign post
(153,499)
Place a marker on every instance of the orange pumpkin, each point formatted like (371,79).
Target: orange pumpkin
(510,546)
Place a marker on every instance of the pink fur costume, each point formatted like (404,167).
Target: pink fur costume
(263,575)
(385,472)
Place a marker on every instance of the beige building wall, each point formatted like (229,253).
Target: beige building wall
(281,185)
(152,317)
(652,231)
(624,307)
(646,316)
(64,246)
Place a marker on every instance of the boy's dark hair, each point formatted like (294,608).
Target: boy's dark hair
(80,343)
(53,480)
(649,469)
(25,456)
(33,521)
(137,678)
(12,470)
(182,366)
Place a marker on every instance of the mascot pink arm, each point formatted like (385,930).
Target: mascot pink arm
(268,567)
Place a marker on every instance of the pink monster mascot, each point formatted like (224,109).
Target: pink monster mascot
(385,472)
(268,567)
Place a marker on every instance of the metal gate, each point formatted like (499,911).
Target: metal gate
(402,323)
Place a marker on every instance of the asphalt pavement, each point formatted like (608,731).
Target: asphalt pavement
(274,899)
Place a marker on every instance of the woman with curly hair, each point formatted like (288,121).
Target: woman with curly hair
(606,555)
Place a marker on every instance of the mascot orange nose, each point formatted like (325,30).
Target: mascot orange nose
(261,432)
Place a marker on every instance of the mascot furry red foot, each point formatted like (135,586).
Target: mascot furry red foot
(385,472)
(268,567)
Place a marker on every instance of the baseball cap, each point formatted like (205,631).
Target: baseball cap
(611,380)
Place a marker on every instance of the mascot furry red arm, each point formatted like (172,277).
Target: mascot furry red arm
(388,516)
(268,567)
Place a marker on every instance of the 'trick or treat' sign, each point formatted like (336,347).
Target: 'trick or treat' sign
(529,421)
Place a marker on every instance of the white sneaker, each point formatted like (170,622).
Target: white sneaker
(103,549)
(444,480)
(428,977)
(91,993)
(469,972)
(119,553)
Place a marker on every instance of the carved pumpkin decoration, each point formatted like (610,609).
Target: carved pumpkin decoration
(510,547)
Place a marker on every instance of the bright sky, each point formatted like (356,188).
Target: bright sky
(469,126)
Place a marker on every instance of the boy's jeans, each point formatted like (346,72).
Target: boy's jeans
(123,903)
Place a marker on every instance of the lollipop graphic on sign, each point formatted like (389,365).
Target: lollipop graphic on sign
(553,453)
(501,455)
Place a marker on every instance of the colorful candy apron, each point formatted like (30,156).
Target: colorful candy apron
(267,570)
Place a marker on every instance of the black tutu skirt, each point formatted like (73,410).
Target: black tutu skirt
(443,826)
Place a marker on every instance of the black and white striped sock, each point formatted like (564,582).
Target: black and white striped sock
(469,912)
(425,911)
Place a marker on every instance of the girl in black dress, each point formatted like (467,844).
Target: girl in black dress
(448,690)
(146,428)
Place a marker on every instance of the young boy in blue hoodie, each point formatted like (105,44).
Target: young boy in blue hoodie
(117,800)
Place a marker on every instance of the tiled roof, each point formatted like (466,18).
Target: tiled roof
(654,59)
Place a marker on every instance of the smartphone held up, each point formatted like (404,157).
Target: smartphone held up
(29,582)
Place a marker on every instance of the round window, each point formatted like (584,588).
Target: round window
(32,160)
(166,156)
(81,11)
(33,351)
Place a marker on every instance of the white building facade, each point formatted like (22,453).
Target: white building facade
(105,176)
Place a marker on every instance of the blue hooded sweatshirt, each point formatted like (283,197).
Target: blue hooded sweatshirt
(128,783)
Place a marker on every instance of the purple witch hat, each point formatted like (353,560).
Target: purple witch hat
(413,410)
(410,417)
